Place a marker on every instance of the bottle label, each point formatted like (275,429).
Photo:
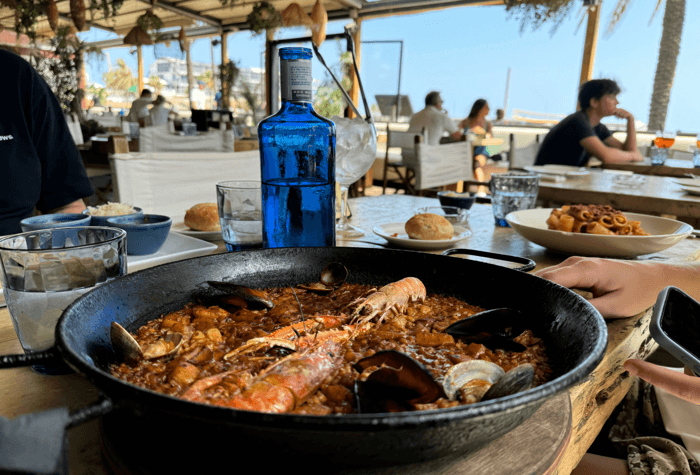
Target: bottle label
(295,79)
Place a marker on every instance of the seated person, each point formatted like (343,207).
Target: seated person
(477,123)
(159,113)
(41,167)
(434,120)
(581,134)
(139,108)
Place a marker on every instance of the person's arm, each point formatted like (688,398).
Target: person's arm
(594,146)
(77,206)
(630,144)
(592,464)
(623,288)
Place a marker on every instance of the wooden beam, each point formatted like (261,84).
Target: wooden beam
(190,75)
(170,6)
(226,101)
(589,46)
(411,7)
(139,57)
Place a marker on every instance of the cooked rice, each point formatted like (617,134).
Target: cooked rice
(111,209)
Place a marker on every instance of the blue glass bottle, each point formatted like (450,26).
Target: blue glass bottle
(297,163)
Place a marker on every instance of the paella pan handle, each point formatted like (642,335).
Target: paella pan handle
(527,264)
(45,356)
(37,441)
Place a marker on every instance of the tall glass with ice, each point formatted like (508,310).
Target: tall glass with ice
(355,153)
(44,271)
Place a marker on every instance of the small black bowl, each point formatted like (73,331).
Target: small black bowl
(460,200)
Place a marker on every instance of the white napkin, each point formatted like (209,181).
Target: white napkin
(681,418)
(552,178)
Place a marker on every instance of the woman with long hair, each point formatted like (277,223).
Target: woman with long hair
(477,123)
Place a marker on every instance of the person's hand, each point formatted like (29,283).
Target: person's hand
(619,288)
(685,386)
(636,156)
(623,114)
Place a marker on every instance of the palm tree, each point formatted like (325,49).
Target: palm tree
(669,49)
(534,13)
(120,78)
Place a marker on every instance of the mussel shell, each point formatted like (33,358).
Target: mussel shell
(494,328)
(334,275)
(399,378)
(461,373)
(253,296)
(124,345)
(514,381)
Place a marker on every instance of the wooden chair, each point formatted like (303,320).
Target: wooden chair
(440,165)
(170,183)
(521,157)
(406,142)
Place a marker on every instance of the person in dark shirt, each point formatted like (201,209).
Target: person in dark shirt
(41,167)
(581,135)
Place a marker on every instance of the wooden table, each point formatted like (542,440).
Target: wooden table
(672,167)
(657,195)
(22,391)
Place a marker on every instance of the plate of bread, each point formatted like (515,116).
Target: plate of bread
(201,221)
(423,232)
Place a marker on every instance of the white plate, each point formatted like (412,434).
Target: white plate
(564,170)
(176,247)
(532,225)
(687,181)
(395,233)
(206,235)
(693,190)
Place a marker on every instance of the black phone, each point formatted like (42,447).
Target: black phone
(675,325)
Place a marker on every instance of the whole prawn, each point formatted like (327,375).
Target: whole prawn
(392,298)
(283,386)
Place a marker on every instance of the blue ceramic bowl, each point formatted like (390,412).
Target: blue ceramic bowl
(102,220)
(58,220)
(145,233)
(460,200)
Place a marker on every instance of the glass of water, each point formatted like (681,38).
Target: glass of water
(512,191)
(240,214)
(44,271)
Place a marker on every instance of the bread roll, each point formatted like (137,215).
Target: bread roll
(429,227)
(203,217)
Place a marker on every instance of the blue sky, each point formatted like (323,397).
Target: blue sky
(465,53)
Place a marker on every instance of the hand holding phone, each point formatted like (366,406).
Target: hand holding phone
(675,325)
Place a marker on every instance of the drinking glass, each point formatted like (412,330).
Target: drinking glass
(512,191)
(355,153)
(658,155)
(664,139)
(44,271)
(240,213)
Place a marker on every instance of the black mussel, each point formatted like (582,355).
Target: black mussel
(398,381)
(493,328)
(517,379)
(332,277)
(251,296)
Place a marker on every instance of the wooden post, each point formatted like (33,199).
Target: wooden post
(268,77)
(355,90)
(225,97)
(139,57)
(190,75)
(590,44)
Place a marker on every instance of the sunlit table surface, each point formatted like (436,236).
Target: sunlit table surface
(22,391)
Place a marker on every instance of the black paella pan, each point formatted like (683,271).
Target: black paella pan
(574,333)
